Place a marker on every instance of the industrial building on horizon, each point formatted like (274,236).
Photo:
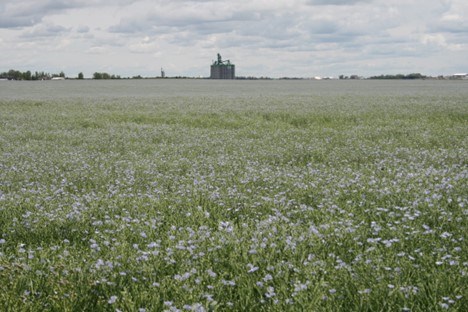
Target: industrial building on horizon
(223,69)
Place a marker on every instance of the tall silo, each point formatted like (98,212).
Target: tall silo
(223,69)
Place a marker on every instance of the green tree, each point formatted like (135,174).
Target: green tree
(15,74)
(80,76)
(27,75)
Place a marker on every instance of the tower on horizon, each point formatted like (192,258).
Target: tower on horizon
(223,69)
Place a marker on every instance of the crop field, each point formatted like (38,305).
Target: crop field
(198,195)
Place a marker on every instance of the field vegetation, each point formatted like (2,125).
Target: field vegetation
(289,196)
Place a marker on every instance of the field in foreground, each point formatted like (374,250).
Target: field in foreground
(277,197)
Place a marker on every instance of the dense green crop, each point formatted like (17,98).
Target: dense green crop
(264,196)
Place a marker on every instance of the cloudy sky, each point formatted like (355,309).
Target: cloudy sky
(276,38)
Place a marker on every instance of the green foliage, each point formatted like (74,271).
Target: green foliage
(98,75)
(27,75)
(400,76)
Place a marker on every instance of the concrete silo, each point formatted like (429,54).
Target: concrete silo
(223,69)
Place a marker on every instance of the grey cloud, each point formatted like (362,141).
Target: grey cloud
(45,30)
(128,26)
(336,2)
(451,26)
(27,13)
(15,22)
(82,29)
(322,27)
(188,17)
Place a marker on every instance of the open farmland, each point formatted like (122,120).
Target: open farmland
(196,195)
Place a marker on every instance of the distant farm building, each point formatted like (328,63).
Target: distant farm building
(460,76)
(223,69)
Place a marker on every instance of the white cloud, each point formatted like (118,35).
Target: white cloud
(434,39)
(97,50)
(146,45)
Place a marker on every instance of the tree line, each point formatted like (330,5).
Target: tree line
(400,76)
(105,76)
(28,75)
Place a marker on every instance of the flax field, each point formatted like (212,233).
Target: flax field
(200,195)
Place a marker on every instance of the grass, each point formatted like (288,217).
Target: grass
(251,202)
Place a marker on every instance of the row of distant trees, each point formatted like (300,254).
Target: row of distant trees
(349,77)
(397,76)
(400,76)
(28,75)
(105,76)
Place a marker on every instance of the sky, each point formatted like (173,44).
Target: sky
(273,38)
